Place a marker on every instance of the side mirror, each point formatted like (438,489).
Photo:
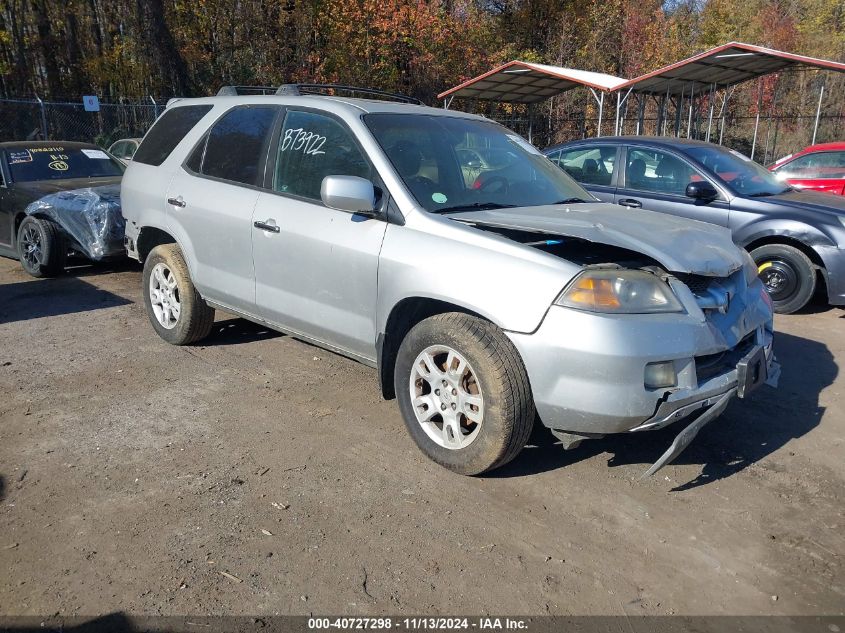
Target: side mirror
(702,190)
(348,193)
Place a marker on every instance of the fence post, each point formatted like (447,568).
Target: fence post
(43,117)
(155,106)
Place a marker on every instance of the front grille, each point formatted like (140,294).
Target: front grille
(714,364)
(698,284)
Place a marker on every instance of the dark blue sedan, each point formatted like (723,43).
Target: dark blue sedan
(796,237)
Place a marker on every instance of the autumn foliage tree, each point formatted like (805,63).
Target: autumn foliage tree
(60,49)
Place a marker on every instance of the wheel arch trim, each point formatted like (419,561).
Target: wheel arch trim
(403,316)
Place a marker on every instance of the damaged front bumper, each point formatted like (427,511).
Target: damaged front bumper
(756,368)
(587,369)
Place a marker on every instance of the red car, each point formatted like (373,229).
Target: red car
(818,167)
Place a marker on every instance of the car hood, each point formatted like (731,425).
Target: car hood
(39,188)
(812,201)
(679,244)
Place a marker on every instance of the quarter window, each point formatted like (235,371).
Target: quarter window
(166,133)
(589,165)
(311,147)
(819,165)
(237,145)
(658,172)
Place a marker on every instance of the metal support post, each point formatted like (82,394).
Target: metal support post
(710,116)
(757,118)
(818,114)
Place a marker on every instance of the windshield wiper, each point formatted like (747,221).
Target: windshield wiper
(475,206)
(573,201)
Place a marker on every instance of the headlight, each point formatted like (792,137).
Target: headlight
(620,292)
(749,267)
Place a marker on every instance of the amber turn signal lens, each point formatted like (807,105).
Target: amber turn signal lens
(596,293)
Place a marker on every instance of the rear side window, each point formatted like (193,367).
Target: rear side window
(236,145)
(167,132)
(589,165)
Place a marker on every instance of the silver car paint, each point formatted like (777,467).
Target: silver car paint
(334,257)
(334,278)
(680,245)
(587,370)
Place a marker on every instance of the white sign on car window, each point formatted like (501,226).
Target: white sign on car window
(95,153)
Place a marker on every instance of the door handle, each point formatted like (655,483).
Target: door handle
(266,226)
(177,202)
(630,202)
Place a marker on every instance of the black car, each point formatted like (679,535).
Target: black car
(32,170)
(797,238)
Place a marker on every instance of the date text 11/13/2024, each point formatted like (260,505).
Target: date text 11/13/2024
(419,623)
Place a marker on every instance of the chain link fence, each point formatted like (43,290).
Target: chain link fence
(33,119)
(777,135)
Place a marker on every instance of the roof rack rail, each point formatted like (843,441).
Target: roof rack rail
(305,89)
(234,91)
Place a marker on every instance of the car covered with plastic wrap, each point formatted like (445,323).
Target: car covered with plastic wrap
(58,197)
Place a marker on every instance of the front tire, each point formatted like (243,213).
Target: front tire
(788,275)
(41,245)
(463,393)
(176,310)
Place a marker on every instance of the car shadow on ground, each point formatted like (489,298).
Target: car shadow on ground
(111,623)
(746,433)
(39,298)
(2,487)
(236,331)
(79,267)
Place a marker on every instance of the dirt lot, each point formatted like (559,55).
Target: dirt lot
(256,474)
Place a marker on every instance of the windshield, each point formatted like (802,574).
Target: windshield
(452,164)
(28,164)
(738,171)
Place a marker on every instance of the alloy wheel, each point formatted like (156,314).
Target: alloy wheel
(164,296)
(31,250)
(446,397)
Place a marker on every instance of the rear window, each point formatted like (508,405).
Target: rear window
(28,164)
(236,145)
(167,132)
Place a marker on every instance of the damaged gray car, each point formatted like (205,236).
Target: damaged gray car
(488,293)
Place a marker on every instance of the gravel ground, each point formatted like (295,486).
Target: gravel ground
(257,475)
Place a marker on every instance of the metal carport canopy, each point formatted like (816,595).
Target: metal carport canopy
(722,67)
(527,82)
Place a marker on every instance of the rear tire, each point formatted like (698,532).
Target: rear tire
(787,274)
(42,249)
(176,310)
(463,393)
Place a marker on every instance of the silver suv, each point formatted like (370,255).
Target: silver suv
(486,287)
